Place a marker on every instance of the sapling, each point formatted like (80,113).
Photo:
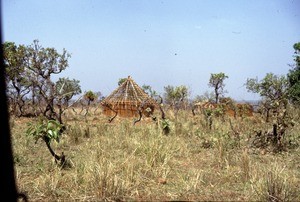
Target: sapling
(47,130)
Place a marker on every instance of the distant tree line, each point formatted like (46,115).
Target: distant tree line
(32,92)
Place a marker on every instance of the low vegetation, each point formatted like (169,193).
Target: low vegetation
(211,148)
(120,161)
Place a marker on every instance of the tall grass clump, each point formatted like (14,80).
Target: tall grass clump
(245,166)
(276,185)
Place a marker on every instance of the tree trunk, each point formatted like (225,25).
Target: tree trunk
(57,157)
(217,94)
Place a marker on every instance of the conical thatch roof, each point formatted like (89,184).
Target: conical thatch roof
(126,99)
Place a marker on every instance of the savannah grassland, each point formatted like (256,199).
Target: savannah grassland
(120,161)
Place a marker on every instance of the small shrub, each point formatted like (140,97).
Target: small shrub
(274,187)
(47,130)
(166,126)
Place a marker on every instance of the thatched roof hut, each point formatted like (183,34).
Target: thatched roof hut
(127,100)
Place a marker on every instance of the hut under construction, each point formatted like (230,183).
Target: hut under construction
(128,100)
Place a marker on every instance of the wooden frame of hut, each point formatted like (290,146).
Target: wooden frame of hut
(128,100)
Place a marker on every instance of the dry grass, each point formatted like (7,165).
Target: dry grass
(122,162)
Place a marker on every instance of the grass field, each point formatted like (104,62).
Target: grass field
(120,161)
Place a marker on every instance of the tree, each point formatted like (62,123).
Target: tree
(274,91)
(65,90)
(29,72)
(90,96)
(149,91)
(121,80)
(217,82)
(43,63)
(18,83)
(207,96)
(176,96)
(48,131)
(294,77)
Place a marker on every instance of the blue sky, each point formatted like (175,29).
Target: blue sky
(161,43)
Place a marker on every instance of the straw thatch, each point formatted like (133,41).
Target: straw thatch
(127,100)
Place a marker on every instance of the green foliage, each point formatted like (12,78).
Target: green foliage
(68,88)
(294,77)
(175,94)
(90,96)
(166,126)
(165,123)
(217,79)
(29,71)
(148,89)
(274,91)
(14,61)
(46,61)
(297,54)
(208,112)
(45,129)
(207,96)
(121,81)
(217,82)
(272,87)
(17,77)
